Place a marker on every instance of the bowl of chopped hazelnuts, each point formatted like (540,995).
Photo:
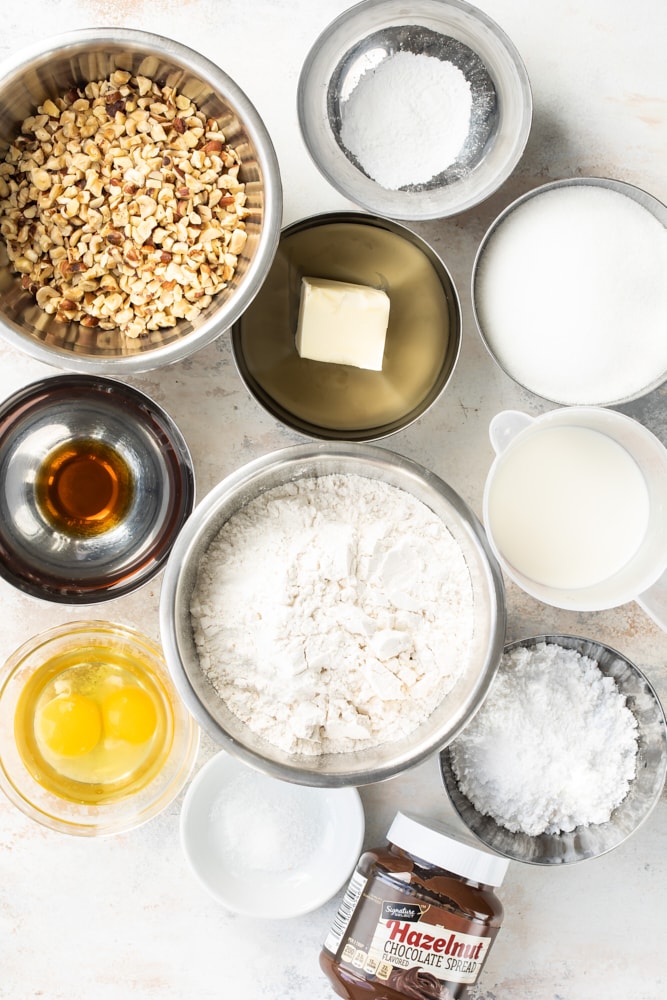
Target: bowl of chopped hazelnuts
(140,201)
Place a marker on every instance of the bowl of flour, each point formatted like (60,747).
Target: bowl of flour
(567,756)
(332,614)
(414,111)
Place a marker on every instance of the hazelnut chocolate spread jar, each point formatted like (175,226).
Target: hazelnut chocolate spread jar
(418,918)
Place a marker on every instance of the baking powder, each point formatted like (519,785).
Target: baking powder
(407,119)
(553,746)
(333,614)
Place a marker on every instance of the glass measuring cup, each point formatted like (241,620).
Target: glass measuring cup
(632,489)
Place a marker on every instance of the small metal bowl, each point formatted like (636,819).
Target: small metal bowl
(598,838)
(284,466)
(453,31)
(120,445)
(48,69)
(103,809)
(556,367)
(340,402)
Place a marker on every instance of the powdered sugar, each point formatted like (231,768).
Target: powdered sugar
(407,119)
(333,613)
(552,747)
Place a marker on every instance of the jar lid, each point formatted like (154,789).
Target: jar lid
(427,840)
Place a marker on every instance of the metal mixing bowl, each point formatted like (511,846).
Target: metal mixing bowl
(338,402)
(50,68)
(451,30)
(57,562)
(363,766)
(616,348)
(598,838)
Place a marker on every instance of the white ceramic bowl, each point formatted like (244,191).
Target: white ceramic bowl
(263,847)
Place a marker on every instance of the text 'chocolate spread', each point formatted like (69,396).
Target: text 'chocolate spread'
(418,918)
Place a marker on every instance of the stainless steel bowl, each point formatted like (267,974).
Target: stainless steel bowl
(359,767)
(563,307)
(51,67)
(645,790)
(451,30)
(338,402)
(50,551)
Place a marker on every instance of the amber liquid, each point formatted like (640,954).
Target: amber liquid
(419,351)
(84,487)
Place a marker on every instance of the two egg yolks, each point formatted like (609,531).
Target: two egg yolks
(72,725)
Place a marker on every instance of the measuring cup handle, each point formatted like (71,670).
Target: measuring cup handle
(654,601)
(505,426)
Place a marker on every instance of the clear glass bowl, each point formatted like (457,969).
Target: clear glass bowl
(372,31)
(22,776)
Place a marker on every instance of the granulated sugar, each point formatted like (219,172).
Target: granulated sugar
(572,298)
(407,119)
(333,614)
(553,746)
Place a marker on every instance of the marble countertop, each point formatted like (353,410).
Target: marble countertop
(123,916)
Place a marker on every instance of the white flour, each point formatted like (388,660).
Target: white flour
(407,120)
(333,614)
(552,747)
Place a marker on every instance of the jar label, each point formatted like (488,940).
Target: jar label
(416,948)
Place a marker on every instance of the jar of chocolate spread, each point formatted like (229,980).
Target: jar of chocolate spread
(418,918)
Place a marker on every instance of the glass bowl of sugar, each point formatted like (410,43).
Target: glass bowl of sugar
(416,113)
(566,757)
(569,294)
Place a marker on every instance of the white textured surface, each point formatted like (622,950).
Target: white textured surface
(124,918)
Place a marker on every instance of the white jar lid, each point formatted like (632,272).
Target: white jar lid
(427,840)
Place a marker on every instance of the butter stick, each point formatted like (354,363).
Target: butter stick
(342,323)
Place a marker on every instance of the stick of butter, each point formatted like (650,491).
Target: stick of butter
(342,323)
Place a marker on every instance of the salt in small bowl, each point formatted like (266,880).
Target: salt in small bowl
(263,847)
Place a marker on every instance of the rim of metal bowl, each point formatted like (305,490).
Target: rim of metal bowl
(648,201)
(132,39)
(204,519)
(580,844)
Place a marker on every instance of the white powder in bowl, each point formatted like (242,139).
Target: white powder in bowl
(333,614)
(553,746)
(407,119)
(571,295)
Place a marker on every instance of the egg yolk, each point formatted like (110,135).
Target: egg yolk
(129,714)
(70,725)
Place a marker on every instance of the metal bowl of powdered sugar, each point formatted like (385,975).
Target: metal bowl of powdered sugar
(415,111)
(567,756)
(332,614)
